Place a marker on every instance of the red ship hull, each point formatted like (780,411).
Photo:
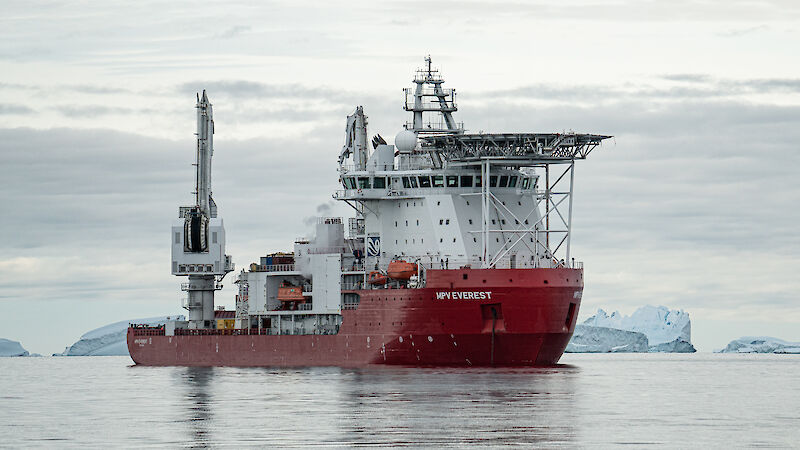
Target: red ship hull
(508,317)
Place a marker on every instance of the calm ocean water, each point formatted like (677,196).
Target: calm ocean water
(673,401)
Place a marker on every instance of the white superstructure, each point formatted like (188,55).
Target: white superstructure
(447,199)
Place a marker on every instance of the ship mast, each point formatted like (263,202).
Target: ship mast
(429,97)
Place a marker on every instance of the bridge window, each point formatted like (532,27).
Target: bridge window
(493,180)
(466,180)
(512,182)
(525,183)
(406,183)
(363,182)
(504,181)
(479,181)
(413,181)
(350,183)
(438,181)
(452,181)
(425,182)
(379,183)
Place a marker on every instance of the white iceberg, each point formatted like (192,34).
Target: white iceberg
(109,340)
(11,348)
(667,330)
(761,344)
(589,339)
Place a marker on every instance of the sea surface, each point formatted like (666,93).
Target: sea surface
(634,400)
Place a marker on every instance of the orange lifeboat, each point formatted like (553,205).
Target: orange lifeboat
(289,293)
(401,270)
(376,278)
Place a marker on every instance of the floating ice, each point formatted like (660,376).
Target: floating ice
(11,348)
(761,344)
(109,340)
(589,339)
(667,330)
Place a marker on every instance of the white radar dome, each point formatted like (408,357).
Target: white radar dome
(405,141)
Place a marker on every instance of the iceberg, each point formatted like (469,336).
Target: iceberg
(761,344)
(667,330)
(11,348)
(109,340)
(591,339)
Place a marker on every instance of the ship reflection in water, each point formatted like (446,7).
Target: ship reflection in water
(382,405)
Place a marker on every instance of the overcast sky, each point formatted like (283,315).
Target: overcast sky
(693,204)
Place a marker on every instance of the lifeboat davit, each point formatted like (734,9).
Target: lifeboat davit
(401,270)
(289,293)
(376,278)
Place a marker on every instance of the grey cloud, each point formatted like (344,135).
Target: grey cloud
(234,31)
(6,108)
(100,90)
(94,111)
(687,77)
(744,31)
(77,88)
(698,86)
(239,89)
(607,11)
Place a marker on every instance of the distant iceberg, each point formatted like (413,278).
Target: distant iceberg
(11,348)
(110,340)
(667,330)
(589,339)
(761,344)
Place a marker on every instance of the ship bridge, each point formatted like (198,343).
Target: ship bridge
(489,200)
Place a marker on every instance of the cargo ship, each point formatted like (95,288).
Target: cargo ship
(457,254)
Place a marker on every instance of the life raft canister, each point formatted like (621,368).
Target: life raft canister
(376,278)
